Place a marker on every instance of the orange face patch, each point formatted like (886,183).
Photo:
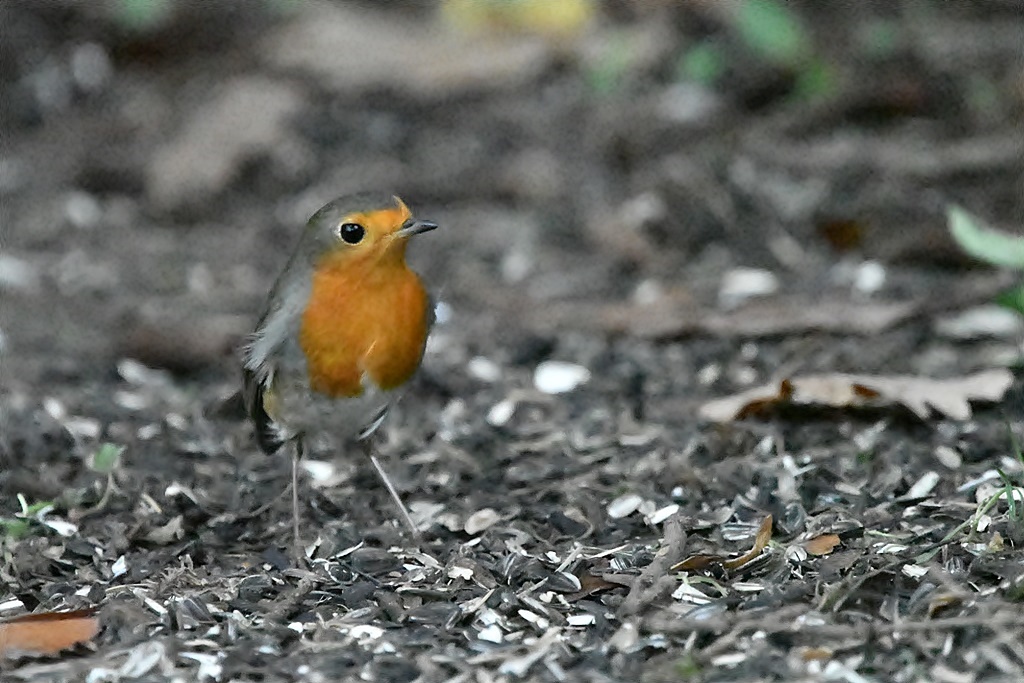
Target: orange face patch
(382,221)
(379,246)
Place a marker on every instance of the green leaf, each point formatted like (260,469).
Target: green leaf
(879,38)
(816,80)
(106,459)
(982,241)
(1015,592)
(703,63)
(608,72)
(35,509)
(687,668)
(772,30)
(1013,299)
(24,523)
(143,15)
(15,528)
(1011,502)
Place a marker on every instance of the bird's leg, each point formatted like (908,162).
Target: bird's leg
(367,447)
(296,539)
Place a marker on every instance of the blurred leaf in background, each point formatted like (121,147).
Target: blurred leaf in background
(704,63)
(774,31)
(142,15)
(557,18)
(106,459)
(26,521)
(774,35)
(992,246)
(984,242)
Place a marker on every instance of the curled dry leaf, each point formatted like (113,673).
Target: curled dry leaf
(822,545)
(590,584)
(697,562)
(47,633)
(764,534)
(816,654)
(941,602)
(918,394)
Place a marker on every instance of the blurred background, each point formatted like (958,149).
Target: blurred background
(625,167)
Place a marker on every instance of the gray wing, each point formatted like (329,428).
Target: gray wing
(263,351)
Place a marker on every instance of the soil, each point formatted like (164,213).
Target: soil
(656,209)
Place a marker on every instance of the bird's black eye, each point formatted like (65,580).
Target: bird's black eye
(352,233)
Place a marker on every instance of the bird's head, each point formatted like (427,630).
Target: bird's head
(367,230)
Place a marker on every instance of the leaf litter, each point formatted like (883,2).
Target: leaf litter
(522,588)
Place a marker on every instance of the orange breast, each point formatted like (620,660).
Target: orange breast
(363,321)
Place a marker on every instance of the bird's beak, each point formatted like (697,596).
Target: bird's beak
(414,227)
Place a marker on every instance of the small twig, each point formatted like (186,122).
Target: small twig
(259,512)
(104,500)
(656,579)
(286,603)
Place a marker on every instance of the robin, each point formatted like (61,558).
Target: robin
(343,332)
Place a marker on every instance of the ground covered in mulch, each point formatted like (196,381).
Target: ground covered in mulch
(665,206)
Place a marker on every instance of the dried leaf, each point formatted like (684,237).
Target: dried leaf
(843,235)
(47,633)
(822,545)
(764,534)
(941,602)
(538,17)
(167,533)
(947,396)
(698,562)
(590,584)
(816,654)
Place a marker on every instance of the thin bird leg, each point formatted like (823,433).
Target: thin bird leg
(406,517)
(296,540)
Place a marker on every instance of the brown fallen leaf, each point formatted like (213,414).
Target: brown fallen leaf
(590,584)
(47,633)
(764,534)
(698,562)
(822,545)
(941,602)
(839,390)
(816,654)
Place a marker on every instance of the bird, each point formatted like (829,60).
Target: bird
(343,332)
